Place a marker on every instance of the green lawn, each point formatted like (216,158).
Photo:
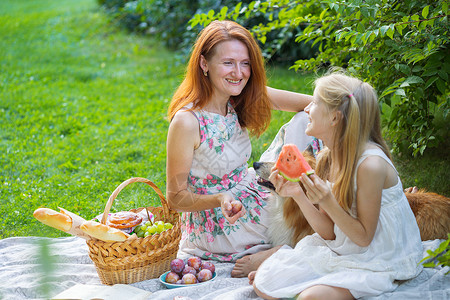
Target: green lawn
(83,106)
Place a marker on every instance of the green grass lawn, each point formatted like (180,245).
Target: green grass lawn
(83,108)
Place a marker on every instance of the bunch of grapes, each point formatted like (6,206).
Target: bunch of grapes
(148,228)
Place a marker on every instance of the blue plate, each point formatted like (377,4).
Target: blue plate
(162,279)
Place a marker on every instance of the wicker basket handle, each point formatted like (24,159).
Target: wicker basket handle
(113,196)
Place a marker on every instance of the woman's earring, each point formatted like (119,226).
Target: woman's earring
(205,73)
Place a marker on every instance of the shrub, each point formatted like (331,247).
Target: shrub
(400,47)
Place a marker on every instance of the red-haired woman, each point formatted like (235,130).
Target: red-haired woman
(222,98)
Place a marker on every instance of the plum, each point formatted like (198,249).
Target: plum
(189,279)
(236,207)
(172,277)
(189,269)
(177,265)
(204,275)
(208,265)
(195,262)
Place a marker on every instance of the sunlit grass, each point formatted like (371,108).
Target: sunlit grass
(83,106)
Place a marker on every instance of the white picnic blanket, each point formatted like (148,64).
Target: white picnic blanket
(22,275)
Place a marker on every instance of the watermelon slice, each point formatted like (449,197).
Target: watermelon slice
(292,164)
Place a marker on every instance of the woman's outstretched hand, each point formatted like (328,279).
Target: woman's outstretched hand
(231,209)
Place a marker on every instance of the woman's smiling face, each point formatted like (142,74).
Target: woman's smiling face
(228,68)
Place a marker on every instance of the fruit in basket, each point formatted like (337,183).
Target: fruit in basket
(189,279)
(204,275)
(195,262)
(177,265)
(148,228)
(209,266)
(172,277)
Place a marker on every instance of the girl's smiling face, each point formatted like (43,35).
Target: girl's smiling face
(321,120)
(228,68)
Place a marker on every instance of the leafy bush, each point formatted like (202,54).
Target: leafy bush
(438,257)
(400,47)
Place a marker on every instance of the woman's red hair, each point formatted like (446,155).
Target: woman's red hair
(252,106)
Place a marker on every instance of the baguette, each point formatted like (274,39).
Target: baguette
(63,220)
(53,218)
(103,232)
(77,221)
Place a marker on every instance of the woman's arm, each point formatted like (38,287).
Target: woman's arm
(182,139)
(288,101)
(372,174)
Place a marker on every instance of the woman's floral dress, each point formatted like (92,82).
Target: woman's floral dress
(220,165)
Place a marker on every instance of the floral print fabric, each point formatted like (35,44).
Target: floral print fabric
(220,165)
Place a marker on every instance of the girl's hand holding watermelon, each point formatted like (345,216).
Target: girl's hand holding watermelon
(284,187)
(317,190)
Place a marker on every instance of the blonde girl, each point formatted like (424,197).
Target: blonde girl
(366,234)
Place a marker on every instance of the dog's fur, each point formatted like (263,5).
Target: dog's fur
(288,225)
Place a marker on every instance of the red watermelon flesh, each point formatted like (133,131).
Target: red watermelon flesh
(292,164)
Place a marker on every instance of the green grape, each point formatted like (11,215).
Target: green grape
(167,226)
(152,229)
(160,228)
(146,234)
(141,234)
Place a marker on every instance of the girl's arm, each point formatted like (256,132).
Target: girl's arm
(288,101)
(372,174)
(316,217)
(182,139)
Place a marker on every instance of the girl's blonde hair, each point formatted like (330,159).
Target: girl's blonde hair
(359,123)
(252,106)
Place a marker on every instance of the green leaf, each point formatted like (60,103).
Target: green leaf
(360,27)
(223,13)
(425,11)
(442,86)
(443,75)
(383,30)
(400,92)
(390,32)
(322,14)
(411,80)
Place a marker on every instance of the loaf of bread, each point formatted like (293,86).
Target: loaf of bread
(77,221)
(58,220)
(63,220)
(103,232)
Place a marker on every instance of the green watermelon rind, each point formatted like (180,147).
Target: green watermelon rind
(289,178)
(308,173)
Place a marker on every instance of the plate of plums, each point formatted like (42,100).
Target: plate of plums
(190,272)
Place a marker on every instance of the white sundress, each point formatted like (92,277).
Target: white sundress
(393,254)
(220,165)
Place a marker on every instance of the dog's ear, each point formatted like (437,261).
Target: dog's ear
(310,150)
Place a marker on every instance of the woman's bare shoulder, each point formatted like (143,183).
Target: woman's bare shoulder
(184,119)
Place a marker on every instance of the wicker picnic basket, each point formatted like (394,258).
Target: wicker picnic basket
(137,259)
